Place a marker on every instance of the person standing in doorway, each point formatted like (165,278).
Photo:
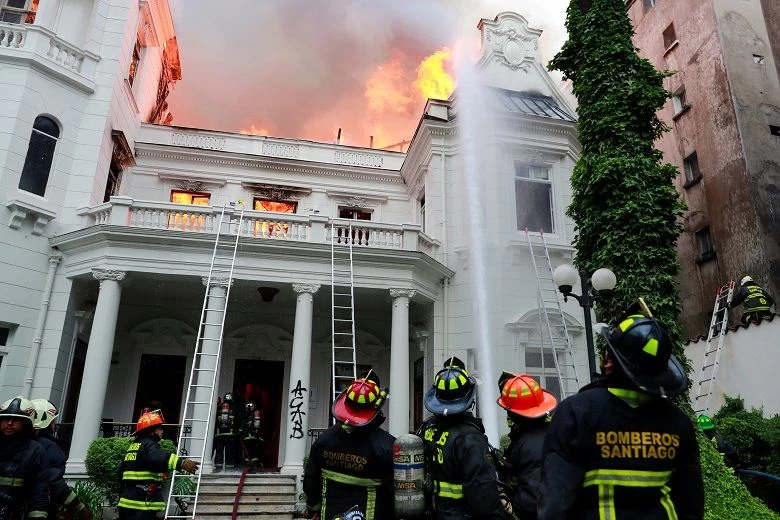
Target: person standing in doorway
(251,437)
(226,434)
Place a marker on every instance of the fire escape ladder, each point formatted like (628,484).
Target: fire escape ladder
(343,369)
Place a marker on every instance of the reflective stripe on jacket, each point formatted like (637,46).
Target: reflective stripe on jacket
(142,472)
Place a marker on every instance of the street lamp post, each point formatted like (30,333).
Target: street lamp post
(565,277)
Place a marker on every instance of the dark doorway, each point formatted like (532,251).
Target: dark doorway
(261,382)
(74,381)
(160,379)
(419,392)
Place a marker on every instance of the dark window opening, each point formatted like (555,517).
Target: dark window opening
(774,130)
(533,198)
(669,36)
(113,182)
(4,332)
(134,62)
(706,244)
(40,153)
(758,59)
(18,11)
(354,214)
(422,213)
(648,4)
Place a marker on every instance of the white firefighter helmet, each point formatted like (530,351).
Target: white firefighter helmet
(745,279)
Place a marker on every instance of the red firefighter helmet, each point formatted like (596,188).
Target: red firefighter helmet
(522,395)
(148,420)
(360,403)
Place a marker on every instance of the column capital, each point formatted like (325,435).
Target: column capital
(217,282)
(399,293)
(55,259)
(310,288)
(102,275)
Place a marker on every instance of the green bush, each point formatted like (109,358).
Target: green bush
(727,498)
(102,462)
(91,496)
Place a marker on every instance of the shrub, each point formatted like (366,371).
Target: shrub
(91,496)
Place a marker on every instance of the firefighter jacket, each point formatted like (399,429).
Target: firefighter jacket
(142,473)
(60,493)
(464,479)
(251,427)
(24,488)
(524,455)
(755,299)
(227,423)
(348,468)
(618,453)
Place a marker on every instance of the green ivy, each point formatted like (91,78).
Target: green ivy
(626,211)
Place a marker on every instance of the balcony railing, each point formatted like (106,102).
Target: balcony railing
(125,211)
(41,45)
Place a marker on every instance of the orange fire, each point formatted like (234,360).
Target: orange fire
(434,80)
(253,130)
(388,88)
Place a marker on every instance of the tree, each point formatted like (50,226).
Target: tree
(624,204)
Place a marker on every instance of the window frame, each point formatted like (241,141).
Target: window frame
(194,194)
(690,174)
(648,4)
(680,101)
(356,211)
(704,237)
(4,344)
(26,14)
(135,61)
(543,371)
(28,158)
(548,181)
(669,43)
(255,200)
(421,211)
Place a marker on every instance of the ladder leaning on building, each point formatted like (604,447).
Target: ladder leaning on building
(198,412)
(552,321)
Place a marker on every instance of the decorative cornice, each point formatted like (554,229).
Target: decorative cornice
(190,185)
(400,293)
(306,288)
(188,179)
(108,274)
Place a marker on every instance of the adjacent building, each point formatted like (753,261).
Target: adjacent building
(108,217)
(724,116)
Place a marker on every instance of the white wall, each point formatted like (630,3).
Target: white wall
(748,367)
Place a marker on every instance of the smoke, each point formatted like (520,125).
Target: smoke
(305,68)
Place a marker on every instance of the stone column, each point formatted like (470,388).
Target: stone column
(399,362)
(300,374)
(210,363)
(95,382)
(46,13)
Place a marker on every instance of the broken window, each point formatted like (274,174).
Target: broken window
(774,130)
(691,167)
(706,244)
(533,198)
(184,219)
(134,62)
(40,154)
(758,59)
(669,36)
(268,228)
(18,11)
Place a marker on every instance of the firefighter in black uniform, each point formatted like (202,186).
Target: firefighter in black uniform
(619,449)
(143,470)
(251,437)
(24,488)
(60,494)
(463,478)
(756,300)
(528,410)
(722,444)
(351,463)
(225,437)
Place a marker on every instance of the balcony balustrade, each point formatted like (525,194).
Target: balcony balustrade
(125,211)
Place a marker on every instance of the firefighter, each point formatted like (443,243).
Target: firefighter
(251,438)
(755,299)
(351,463)
(722,444)
(528,410)
(61,496)
(463,478)
(24,488)
(226,438)
(143,470)
(620,449)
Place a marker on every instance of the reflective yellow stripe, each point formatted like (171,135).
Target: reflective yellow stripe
(11,482)
(607,502)
(37,514)
(448,490)
(371,503)
(666,501)
(173,460)
(626,477)
(142,506)
(349,479)
(633,398)
(141,475)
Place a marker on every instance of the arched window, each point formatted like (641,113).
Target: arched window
(37,164)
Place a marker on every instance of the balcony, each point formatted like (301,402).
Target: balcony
(125,211)
(43,49)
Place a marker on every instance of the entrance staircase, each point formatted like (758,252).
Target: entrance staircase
(265,496)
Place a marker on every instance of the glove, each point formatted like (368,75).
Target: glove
(82,513)
(506,503)
(190,466)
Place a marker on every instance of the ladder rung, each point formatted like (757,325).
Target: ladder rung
(204,369)
(199,402)
(343,333)
(341,307)
(704,381)
(210,339)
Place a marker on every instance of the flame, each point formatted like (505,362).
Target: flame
(253,130)
(388,88)
(434,80)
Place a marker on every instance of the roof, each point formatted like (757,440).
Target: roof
(735,328)
(529,104)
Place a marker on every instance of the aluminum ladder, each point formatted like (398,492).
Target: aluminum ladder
(552,318)
(708,369)
(199,403)
(342,299)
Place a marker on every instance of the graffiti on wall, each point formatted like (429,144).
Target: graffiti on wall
(296,411)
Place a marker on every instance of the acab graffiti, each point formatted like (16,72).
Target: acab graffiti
(296,411)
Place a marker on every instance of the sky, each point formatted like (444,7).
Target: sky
(305,68)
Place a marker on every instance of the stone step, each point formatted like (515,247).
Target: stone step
(258,516)
(248,489)
(244,508)
(227,498)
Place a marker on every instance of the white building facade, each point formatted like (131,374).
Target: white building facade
(108,228)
